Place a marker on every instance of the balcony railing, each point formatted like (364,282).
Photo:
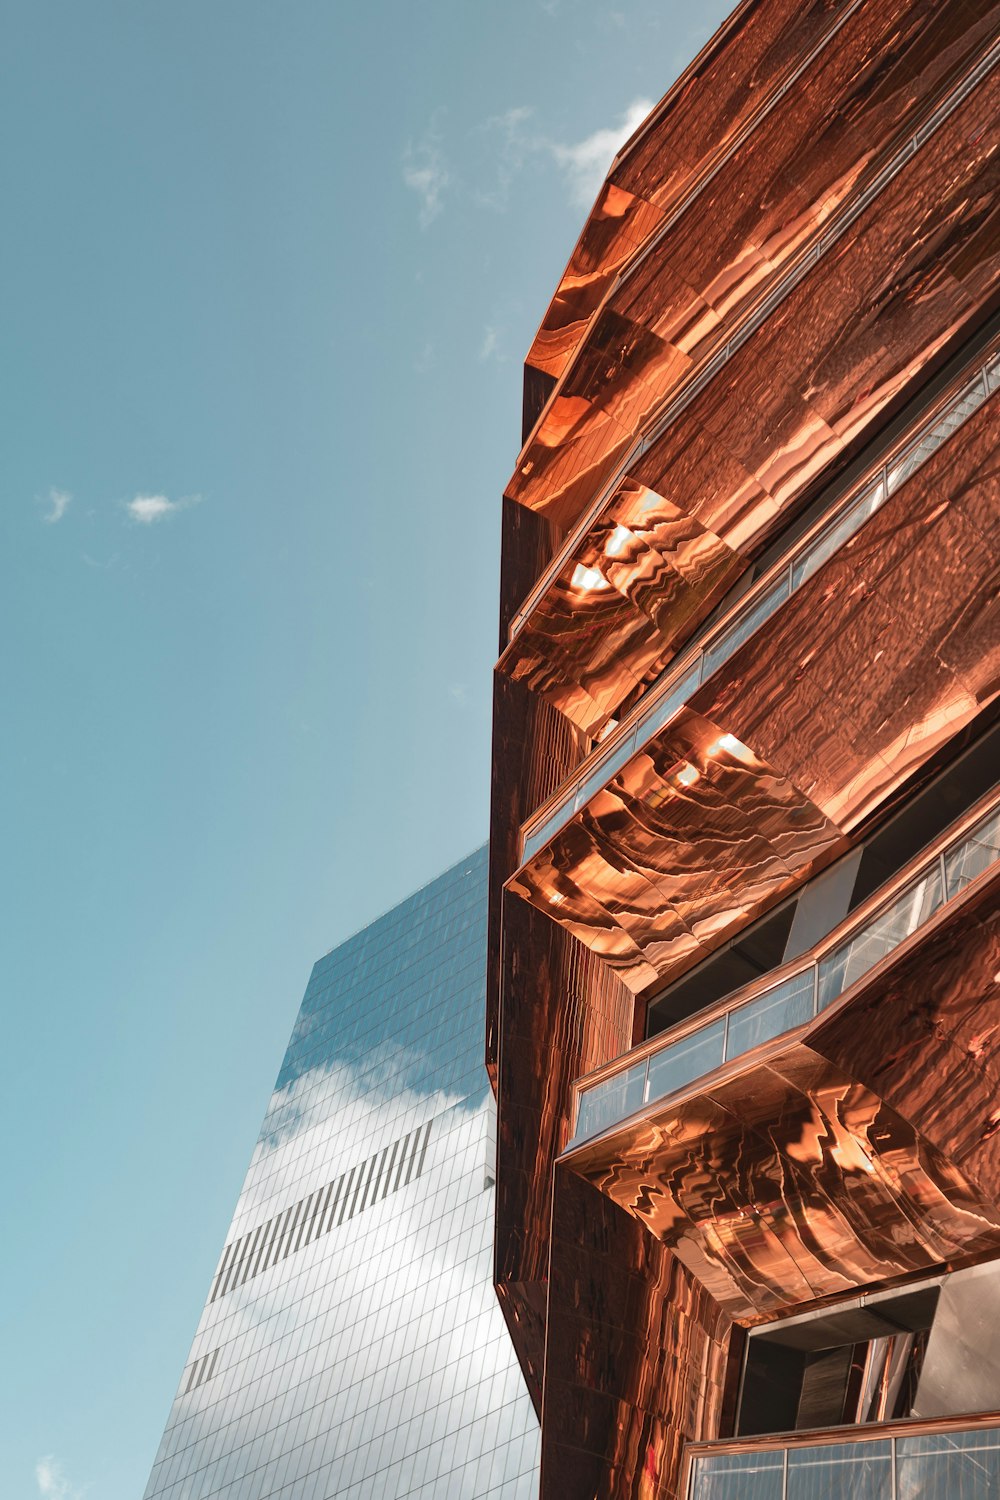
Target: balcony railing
(797,998)
(910,1461)
(681,680)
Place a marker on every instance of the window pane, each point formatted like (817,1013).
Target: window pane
(738,1476)
(883,933)
(841,1471)
(787,1005)
(977,851)
(949,1466)
(686,1060)
(610,1101)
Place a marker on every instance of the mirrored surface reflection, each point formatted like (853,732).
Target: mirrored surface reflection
(352,1344)
(957,1464)
(797,998)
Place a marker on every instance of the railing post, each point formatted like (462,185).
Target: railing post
(892,1451)
(943,864)
(815,969)
(784,1474)
(725,1038)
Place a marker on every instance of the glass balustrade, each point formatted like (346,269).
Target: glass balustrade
(666,698)
(799,997)
(953,1465)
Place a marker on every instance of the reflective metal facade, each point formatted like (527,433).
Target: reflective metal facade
(351,1344)
(745,850)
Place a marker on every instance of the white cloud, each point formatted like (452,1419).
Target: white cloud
(52,1481)
(409,1277)
(58,502)
(426,172)
(491,340)
(149,508)
(586,163)
(517,142)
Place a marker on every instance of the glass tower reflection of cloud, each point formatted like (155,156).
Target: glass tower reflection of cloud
(351,1344)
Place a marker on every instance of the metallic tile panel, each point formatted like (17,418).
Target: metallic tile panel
(882,657)
(908,647)
(647,573)
(887,296)
(855,1154)
(562,1011)
(637,1357)
(591,638)
(691,131)
(688,840)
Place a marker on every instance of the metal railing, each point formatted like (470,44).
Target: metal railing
(911,1461)
(796,998)
(679,682)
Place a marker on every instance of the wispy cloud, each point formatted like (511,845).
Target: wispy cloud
(586,163)
(516,142)
(52,1481)
(146,509)
(426,171)
(58,502)
(491,342)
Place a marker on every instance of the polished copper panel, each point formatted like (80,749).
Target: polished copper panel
(686,840)
(705,115)
(596,634)
(637,1354)
(891,292)
(880,659)
(581,649)
(823,1163)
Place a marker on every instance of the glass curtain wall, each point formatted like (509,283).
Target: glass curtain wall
(351,1344)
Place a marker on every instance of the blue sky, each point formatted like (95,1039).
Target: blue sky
(268,274)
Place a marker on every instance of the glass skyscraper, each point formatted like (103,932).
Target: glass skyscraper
(351,1344)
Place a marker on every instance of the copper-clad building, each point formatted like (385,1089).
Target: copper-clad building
(744,993)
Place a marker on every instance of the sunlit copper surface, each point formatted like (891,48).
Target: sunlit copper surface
(848,1156)
(652,873)
(825,1164)
(692,129)
(898,285)
(637,1356)
(604,624)
(645,576)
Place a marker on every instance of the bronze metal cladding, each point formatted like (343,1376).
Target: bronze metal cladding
(825,1164)
(604,624)
(637,1358)
(873,281)
(736,326)
(645,576)
(825,726)
(734,82)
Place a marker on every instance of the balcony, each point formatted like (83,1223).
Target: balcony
(704,118)
(771,741)
(685,1054)
(958,1459)
(816,200)
(731,439)
(665,698)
